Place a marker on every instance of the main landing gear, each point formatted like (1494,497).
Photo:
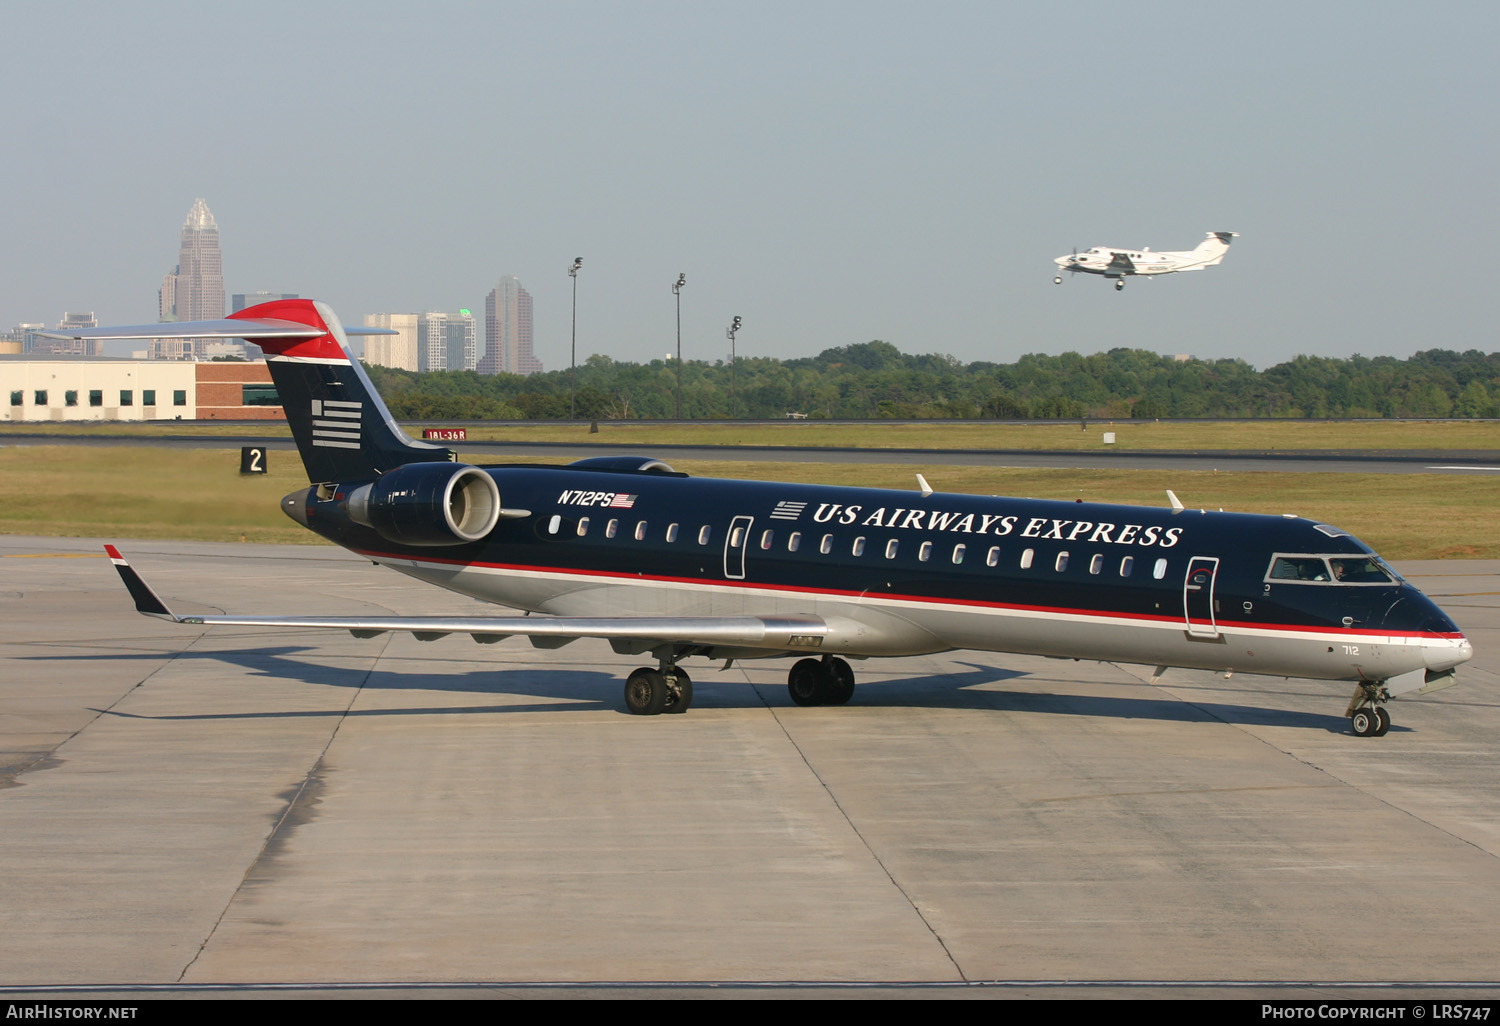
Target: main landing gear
(648,691)
(1366,712)
(1057,280)
(828,681)
(1119,285)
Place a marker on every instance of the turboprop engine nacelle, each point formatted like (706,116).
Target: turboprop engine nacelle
(428,504)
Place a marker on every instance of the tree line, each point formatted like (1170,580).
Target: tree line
(876,380)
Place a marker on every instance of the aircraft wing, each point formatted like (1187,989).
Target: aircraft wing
(1121,263)
(625,633)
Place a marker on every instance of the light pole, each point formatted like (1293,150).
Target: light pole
(677,291)
(730,331)
(573,367)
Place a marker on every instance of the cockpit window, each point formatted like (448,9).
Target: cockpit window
(1298,568)
(1340,569)
(1330,530)
(1359,570)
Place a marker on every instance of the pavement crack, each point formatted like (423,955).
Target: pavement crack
(309,789)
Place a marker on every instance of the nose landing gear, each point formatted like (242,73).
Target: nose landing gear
(1366,712)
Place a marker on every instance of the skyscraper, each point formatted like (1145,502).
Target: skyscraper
(399,350)
(194,290)
(507,330)
(447,341)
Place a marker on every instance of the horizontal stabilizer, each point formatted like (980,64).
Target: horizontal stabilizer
(265,328)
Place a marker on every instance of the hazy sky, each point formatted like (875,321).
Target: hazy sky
(833,172)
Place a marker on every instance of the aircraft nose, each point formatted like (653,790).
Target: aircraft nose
(1443,644)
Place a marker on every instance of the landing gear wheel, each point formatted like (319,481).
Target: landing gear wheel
(1383,721)
(679,690)
(841,678)
(1364,722)
(808,684)
(645,692)
(1057,280)
(1119,285)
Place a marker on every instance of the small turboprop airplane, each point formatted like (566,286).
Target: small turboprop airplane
(654,561)
(1119,263)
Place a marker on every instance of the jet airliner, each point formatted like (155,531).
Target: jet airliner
(1119,262)
(662,564)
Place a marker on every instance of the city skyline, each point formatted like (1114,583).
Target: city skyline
(834,173)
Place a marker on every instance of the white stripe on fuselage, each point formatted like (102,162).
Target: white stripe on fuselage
(1023,623)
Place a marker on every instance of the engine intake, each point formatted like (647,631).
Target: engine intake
(428,504)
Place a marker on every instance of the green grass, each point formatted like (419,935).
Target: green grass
(198,494)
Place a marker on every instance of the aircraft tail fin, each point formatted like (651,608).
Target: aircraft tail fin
(1212,249)
(342,427)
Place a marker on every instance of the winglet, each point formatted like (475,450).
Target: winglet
(1176,502)
(926,488)
(145,599)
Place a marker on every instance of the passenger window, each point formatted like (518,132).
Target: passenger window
(703,534)
(958,554)
(1126,565)
(554,524)
(1097,563)
(859,546)
(794,541)
(767,538)
(671,533)
(1062,562)
(737,538)
(993,557)
(890,549)
(611,529)
(925,552)
(583,526)
(827,545)
(640,530)
(1026,558)
(1160,570)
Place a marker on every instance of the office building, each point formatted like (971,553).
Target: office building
(195,288)
(507,330)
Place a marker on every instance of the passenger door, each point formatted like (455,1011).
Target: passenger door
(1198,596)
(735,544)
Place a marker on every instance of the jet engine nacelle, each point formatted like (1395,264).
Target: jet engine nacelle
(428,504)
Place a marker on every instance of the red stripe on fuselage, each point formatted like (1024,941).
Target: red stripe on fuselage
(1099,614)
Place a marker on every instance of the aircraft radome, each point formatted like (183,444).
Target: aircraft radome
(654,561)
(1119,263)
